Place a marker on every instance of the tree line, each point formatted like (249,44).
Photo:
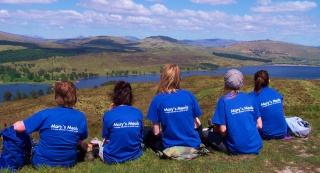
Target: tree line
(240,57)
(8,96)
(23,71)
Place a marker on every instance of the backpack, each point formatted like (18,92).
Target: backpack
(16,149)
(298,127)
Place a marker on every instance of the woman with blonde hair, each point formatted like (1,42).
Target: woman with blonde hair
(61,129)
(176,111)
(236,119)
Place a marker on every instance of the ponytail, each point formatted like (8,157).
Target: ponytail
(261,80)
(258,85)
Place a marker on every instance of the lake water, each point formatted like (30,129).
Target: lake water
(275,71)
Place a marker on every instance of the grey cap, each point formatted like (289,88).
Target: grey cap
(233,79)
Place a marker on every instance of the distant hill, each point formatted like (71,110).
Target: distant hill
(131,38)
(278,52)
(157,50)
(22,37)
(211,42)
(159,41)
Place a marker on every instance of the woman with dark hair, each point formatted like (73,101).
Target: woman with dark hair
(122,127)
(176,111)
(270,102)
(236,120)
(61,129)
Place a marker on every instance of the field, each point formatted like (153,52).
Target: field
(302,99)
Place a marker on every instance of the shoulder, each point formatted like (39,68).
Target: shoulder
(159,97)
(186,92)
(268,91)
(133,109)
(253,94)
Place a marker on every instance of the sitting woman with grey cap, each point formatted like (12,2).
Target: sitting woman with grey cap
(236,120)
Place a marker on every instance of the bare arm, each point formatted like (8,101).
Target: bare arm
(156,129)
(197,123)
(19,126)
(259,123)
(223,130)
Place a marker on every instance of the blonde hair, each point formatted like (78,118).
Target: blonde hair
(65,93)
(170,79)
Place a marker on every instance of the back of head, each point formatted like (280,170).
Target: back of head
(122,94)
(65,93)
(233,80)
(261,79)
(170,79)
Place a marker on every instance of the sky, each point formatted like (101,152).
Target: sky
(292,21)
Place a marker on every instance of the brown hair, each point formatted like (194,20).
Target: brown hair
(170,79)
(122,94)
(261,79)
(228,89)
(65,93)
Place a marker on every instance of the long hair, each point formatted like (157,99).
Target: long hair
(261,80)
(170,79)
(122,94)
(65,93)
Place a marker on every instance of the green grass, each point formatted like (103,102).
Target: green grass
(295,155)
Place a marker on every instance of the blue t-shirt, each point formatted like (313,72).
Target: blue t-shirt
(239,115)
(176,112)
(270,103)
(123,126)
(60,129)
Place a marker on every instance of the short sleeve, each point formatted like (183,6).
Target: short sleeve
(196,107)
(34,122)
(219,116)
(105,127)
(153,114)
(84,135)
(256,111)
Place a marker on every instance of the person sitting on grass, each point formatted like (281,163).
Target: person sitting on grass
(61,129)
(122,128)
(176,111)
(270,103)
(236,120)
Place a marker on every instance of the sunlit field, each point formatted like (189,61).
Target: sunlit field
(301,98)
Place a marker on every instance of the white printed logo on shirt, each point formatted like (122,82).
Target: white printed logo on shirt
(64,128)
(126,124)
(271,102)
(241,110)
(176,109)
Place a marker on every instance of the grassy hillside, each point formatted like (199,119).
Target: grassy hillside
(105,55)
(295,155)
(278,52)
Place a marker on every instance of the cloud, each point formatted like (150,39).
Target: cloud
(17,2)
(109,16)
(159,9)
(154,0)
(214,2)
(125,7)
(267,6)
